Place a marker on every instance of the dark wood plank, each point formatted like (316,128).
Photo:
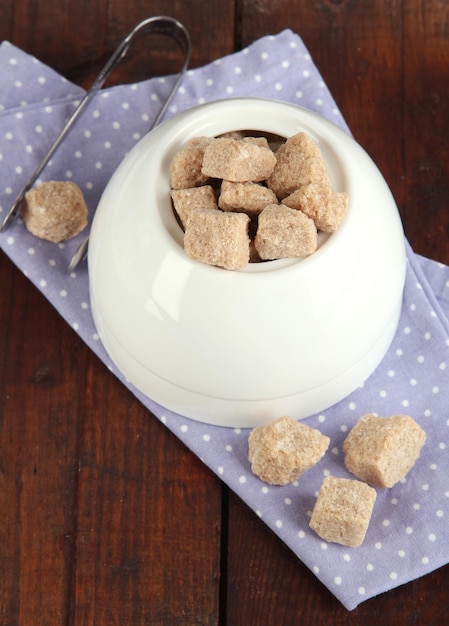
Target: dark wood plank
(426,129)
(43,367)
(149,518)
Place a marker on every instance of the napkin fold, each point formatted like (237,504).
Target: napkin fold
(409,532)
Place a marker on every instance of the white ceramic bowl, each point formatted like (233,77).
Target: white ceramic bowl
(239,348)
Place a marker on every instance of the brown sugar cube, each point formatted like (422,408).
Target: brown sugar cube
(185,168)
(382,450)
(55,211)
(282,450)
(343,510)
(217,238)
(327,208)
(184,200)
(262,142)
(283,232)
(298,162)
(237,160)
(249,197)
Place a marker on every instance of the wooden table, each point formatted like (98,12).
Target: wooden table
(106,517)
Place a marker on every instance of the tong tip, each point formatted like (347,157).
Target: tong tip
(79,255)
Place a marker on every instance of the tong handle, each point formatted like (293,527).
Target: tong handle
(159,24)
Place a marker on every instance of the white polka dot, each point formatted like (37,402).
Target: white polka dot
(401,553)
(316,569)
(242,480)
(301,534)
(420,358)
(361,591)
(43,282)
(337,580)
(278,523)
(369,567)
(63,293)
(228,448)
(432,537)
(425,560)
(206,437)
(409,530)
(393,575)
(184,428)
(287,501)
(265,490)
(439,514)
(220,469)
(378,545)
(346,557)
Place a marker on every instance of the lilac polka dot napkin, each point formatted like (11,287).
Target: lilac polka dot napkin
(409,532)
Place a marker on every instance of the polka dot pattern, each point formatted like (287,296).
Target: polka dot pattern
(409,532)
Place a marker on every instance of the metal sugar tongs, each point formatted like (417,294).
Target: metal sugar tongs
(161,25)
